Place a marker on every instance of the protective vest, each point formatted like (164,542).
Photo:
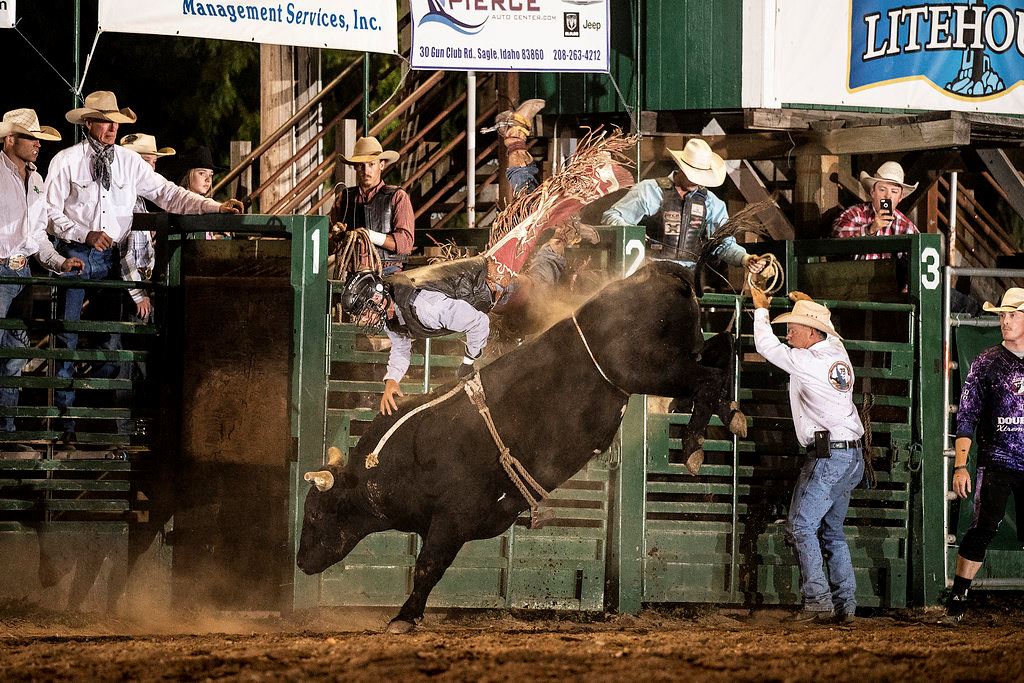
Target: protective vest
(464,279)
(374,215)
(678,225)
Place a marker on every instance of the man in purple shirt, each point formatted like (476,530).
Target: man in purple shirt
(992,412)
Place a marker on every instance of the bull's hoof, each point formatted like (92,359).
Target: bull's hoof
(398,627)
(738,424)
(695,460)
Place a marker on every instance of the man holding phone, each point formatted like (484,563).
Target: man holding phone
(879,216)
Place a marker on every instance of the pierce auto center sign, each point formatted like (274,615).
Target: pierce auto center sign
(510,35)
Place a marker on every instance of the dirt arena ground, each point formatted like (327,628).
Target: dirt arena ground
(700,643)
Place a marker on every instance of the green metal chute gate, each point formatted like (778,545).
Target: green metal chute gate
(718,536)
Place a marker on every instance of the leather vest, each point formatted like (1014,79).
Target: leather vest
(374,215)
(464,279)
(678,225)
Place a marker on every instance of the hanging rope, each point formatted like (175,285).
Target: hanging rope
(868,452)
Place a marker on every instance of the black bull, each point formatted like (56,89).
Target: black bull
(439,475)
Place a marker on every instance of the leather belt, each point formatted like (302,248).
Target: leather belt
(16,262)
(836,445)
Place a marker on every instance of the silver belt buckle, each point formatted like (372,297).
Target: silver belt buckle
(17,262)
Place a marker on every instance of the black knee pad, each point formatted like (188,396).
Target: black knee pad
(975,543)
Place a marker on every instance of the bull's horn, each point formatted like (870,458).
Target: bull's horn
(335,456)
(322,480)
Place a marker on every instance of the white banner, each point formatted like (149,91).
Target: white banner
(359,25)
(7,14)
(896,54)
(510,35)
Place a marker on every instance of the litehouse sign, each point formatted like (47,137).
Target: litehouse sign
(967,49)
(942,55)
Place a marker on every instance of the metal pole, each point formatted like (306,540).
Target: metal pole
(77,62)
(366,93)
(639,90)
(734,564)
(947,452)
(470,149)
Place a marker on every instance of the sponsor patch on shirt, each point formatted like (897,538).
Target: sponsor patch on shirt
(840,376)
(1018,385)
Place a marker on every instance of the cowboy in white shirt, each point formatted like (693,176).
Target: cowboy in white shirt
(828,425)
(22,229)
(91,190)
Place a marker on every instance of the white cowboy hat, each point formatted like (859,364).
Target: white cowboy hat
(1013,300)
(101,105)
(144,143)
(700,164)
(812,314)
(889,172)
(25,122)
(369,149)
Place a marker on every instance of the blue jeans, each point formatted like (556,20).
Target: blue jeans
(11,339)
(98,265)
(818,508)
(523,178)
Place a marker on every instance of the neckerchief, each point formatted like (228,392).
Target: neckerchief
(101,162)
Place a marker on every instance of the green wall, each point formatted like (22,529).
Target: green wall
(691,57)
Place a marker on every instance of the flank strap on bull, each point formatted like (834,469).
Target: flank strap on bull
(515,470)
(594,360)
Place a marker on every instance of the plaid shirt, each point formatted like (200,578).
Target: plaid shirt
(855,221)
(137,258)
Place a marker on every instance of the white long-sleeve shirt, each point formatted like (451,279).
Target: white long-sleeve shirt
(79,205)
(437,311)
(820,383)
(23,216)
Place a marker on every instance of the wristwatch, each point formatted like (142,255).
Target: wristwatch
(960,467)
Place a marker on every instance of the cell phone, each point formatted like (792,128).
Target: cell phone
(885,204)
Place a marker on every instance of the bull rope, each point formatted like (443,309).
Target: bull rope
(347,257)
(373,458)
(593,359)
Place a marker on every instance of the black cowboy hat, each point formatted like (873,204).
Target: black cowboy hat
(197,157)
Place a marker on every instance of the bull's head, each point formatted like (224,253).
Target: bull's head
(333,522)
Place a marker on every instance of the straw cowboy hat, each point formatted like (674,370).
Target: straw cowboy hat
(101,105)
(889,172)
(812,314)
(369,149)
(700,164)
(144,143)
(25,122)
(1013,300)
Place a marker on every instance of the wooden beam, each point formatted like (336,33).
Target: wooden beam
(952,132)
(734,146)
(747,181)
(813,194)
(805,119)
(1006,176)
